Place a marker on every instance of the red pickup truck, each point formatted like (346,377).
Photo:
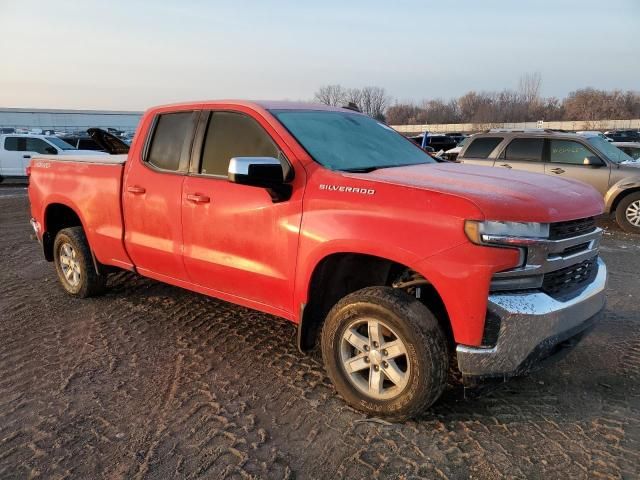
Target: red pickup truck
(391,262)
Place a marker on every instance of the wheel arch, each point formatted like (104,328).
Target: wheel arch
(615,201)
(57,216)
(338,274)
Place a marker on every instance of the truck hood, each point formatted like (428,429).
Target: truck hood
(500,194)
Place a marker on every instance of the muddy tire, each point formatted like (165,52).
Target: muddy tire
(628,213)
(74,264)
(385,353)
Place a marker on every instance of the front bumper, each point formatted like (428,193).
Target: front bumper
(531,323)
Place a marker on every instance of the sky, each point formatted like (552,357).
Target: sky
(130,55)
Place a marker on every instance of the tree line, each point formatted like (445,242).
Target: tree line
(525,104)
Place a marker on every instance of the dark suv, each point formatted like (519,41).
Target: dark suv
(587,158)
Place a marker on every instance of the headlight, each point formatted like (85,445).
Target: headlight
(486,232)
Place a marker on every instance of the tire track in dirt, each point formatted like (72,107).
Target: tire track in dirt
(164,383)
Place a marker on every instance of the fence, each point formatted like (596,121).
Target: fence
(572,125)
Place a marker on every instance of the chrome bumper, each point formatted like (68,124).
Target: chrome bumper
(530,322)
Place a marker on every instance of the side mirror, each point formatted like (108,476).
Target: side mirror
(592,161)
(51,150)
(264,172)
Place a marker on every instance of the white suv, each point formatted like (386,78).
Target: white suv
(16,151)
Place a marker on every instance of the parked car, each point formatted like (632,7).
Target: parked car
(16,151)
(592,133)
(623,135)
(331,219)
(457,136)
(84,142)
(452,153)
(587,158)
(630,148)
(100,140)
(435,141)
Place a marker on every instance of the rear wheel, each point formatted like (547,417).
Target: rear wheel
(628,213)
(74,264)
(385,353)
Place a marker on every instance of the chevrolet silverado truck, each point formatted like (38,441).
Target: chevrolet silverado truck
(391,263)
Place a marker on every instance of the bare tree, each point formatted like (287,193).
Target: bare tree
(333,95)
(523,105)
(374,102)
(529,86)
(354,95)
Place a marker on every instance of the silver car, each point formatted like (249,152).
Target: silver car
(587,158)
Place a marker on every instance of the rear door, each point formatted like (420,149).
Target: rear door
(523,154)
(236,239)
(152,196)
(567,158)
(479,151)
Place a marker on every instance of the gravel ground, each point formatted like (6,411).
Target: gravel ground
(151,381)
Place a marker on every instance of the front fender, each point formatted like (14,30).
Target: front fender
(619,188)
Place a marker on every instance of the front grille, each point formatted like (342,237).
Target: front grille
(568,280)
(572,228)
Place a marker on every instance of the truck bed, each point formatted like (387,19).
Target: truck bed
(91,186)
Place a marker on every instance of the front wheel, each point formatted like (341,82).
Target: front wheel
(628,213)
(385,353)
(74,264)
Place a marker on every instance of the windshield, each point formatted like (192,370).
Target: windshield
(61,144)
(348,141)
(612,152)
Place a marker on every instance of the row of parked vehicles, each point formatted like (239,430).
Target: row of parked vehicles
(17,149)
(610,166)
(394,264)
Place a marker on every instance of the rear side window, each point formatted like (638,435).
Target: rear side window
(569,152)
(525,150)
(39,146)
(13,144)
(233,135)
(172,134)
(482,147)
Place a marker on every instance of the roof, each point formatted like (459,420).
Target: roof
(262,105)
(529,132)
(626,144)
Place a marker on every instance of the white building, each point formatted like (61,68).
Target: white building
(69,121)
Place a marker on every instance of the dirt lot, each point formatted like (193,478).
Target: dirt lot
(150,381)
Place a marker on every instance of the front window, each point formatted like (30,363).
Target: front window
(610,151)
(61,144)
(569,152)
(229,135)
(350,141)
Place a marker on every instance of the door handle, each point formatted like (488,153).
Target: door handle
(136,190)
(557,170)
(26,156)
(506,165)
(197,198)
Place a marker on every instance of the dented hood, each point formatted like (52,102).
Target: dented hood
(501,194)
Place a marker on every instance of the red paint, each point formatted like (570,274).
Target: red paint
(230,241)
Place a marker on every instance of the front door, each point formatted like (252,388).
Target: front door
(236,239)
(568,159)
(152,197)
